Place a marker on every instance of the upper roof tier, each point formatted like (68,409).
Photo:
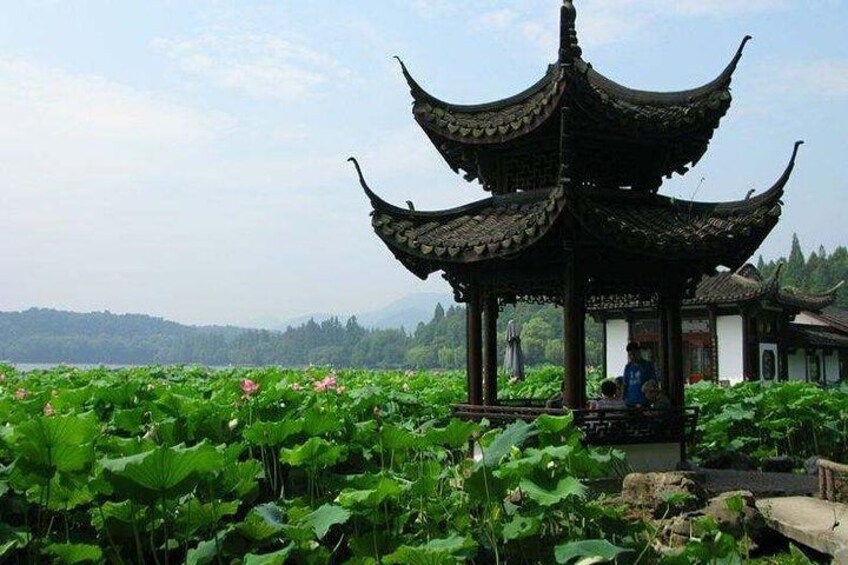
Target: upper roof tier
(614,136)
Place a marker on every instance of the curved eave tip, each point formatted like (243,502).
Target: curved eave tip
(413,84)
(798,145)
(368,192)
(376,202)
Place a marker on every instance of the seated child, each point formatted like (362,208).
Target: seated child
(610,399)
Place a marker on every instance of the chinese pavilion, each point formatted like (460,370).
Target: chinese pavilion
(573,166)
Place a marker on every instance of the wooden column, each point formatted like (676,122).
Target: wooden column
(747,371)
(713,315)
(490,351)
(474,338)
(604,363)
(574,338)
(673,339)
(662,322)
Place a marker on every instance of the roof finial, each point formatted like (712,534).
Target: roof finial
(568,46)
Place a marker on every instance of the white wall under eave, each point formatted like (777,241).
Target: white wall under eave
(832,364)
(731,366)
(797,370)
(617,338)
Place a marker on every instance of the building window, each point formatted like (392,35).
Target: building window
(769,363)
(813,367)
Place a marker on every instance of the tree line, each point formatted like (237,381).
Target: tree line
(51,336)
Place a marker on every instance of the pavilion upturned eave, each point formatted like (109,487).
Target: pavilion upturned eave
(633,224)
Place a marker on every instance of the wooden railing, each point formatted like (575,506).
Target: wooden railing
(600,427)
(833,481)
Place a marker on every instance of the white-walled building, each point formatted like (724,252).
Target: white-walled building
(739,326)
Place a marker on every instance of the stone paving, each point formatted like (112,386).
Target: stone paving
(813,522)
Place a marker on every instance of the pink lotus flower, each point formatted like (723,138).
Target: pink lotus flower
(329,383)
(21,394)
(296,387)
(249,388)
(48,409)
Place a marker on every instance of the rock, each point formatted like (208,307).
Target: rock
(778,465)
(664,494)
(811,465)
(736,514)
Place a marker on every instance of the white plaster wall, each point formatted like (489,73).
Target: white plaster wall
(730,359)
(797,365)
(832,362)
(617,334)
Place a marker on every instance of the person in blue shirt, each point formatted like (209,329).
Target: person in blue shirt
(637,372)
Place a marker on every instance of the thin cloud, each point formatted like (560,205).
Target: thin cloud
(79,126)
(823,78)
(259,65)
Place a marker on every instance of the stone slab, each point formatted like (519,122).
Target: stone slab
(815,523)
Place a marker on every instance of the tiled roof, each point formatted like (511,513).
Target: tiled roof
(644,225)
(675,127)
(816,336)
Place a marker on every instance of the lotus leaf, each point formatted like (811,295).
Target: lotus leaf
(276,558)
(316,452)
(565,488)
(436,552)
(370,498)
(162,472)
(597,551)
(271,433)
(70,553)
(47,444)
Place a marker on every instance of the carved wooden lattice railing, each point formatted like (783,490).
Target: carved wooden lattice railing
(600,427)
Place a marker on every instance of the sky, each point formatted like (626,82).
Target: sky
(188,159)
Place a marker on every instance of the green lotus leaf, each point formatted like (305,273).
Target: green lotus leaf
(597,550)
(325,517)
(118,517)
(238,479)
(276,558)
(316,453)
(456,435)
(206,551)
(46,444)
(522,527)
(396,438)
(130,420)
(317,422)
(565,488)
(193,515)
(164,471)
(261,524)
(271,433)
(70,553)
(554,424)
(370,498)
(65,493)
(446,551)
(503,442)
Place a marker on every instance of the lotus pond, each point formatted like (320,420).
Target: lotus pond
(268,466)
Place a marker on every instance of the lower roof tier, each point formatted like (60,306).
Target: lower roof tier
(657,228)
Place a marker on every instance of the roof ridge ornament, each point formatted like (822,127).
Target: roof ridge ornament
(569,49)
